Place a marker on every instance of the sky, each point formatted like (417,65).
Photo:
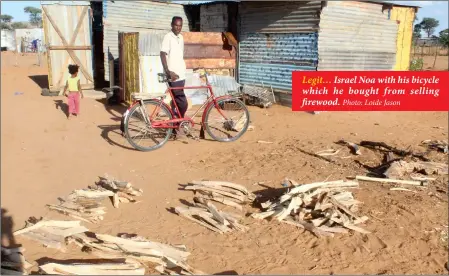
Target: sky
(436,9)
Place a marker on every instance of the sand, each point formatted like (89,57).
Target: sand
(45,156)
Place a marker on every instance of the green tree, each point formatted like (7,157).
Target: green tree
(5,26)
(417,31)
(444,38)
(429,25)
(35,15)
(19,25)
(6,18)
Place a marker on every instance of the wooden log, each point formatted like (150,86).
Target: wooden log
(329,185)
(386,180)
(294,203)
(94,194)
(308,226)
(217,190)
(237,187)
(122,194)
(93,269)
(216,214)
(222,200)
(333,229)
(186,214)
(49,223)
(167,250)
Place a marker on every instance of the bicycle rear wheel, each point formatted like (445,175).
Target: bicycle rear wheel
(228,122)
(147,138)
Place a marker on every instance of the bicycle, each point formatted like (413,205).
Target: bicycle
(171,119)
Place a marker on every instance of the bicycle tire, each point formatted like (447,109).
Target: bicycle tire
(219,102)
(169,132)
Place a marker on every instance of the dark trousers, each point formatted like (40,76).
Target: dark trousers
(180,98)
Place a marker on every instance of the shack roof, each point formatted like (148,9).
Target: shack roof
(194,2)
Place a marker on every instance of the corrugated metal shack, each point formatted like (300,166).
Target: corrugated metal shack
(8,40)
(275,39)
(68,40)
(356,36)
(134,16)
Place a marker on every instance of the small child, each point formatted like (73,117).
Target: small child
(73,86)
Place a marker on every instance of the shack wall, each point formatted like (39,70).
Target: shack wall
(277,38)
(405,16)
(356,36)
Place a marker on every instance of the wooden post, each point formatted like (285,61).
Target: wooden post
(435,59)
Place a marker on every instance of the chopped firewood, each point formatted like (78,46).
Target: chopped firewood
(139,249)
(388,180)
(328,152)
(354,148)
(226,193)
(113,268)
(51,233)
(387,148)
(264,142)
(399,168)
(402,189)
(316,207)
(13,262)
(119,186)
(438,145)
(210,217)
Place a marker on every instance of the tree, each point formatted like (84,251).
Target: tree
(417,31)
(6,18)
(444,38)
(35,15)
(5,26)
(428,25)
(19,25)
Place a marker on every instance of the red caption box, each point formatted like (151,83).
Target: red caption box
(370,91)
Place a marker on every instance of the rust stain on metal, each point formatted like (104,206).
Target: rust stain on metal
(210,63)
(207,51)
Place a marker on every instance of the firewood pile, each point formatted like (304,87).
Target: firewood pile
(13,262)
(126,267)
(207,215)
(124,192)
(322,208)
(51,233)
(169,259)
(226,193)
(86,204)
(438,145)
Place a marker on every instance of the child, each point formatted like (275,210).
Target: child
(73,86)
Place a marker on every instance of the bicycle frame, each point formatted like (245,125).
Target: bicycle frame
(174,123)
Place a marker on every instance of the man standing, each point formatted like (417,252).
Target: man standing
(172,57)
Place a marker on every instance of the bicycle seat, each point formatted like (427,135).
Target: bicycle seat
(147,96)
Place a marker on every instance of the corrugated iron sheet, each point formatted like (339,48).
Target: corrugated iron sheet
(279,17)
(66,18)
(214,18)
(66,3)
(356,36)
(136,16)
(270,59)
(8,40)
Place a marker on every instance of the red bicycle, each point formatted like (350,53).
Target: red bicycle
(156,125)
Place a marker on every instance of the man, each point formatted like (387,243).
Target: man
(172,57)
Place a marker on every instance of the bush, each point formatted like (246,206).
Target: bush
(416,64)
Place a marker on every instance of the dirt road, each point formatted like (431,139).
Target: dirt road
(45,156)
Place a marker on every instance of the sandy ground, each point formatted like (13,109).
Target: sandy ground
(441,63)
(45,156)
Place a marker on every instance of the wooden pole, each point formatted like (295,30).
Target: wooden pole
(435,59)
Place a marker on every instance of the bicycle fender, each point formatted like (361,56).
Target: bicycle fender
(211,103)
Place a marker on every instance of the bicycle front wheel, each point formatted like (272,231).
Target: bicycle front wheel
(227,121)
(138,130)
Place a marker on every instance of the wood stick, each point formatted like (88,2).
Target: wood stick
(216,190)
(185,213)
(394,181)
